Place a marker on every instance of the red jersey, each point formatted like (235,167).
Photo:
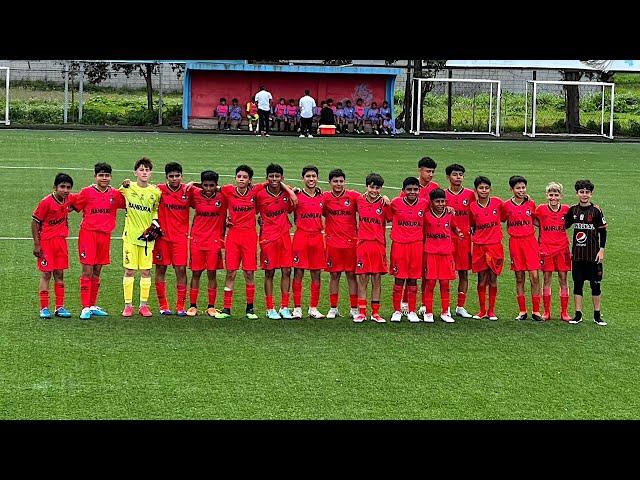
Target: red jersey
(210,218)
(340,213)
(519,217)
(99,209)
(424,191)
(438,232)
(53,217)
(461,202)
(274,212)
(173,212)
(308,212)
(486,222)
(407,220)
(241,207)
(372,219)
(552,233)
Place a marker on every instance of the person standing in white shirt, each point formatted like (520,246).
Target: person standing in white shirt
(263,99)
(307,104)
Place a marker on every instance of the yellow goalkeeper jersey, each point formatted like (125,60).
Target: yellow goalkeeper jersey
(142,208)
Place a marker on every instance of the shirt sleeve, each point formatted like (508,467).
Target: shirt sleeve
(568,219)
(156,204)
(77,201)
(120,200)
(40,212)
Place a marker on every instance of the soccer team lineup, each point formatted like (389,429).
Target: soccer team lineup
(441,236)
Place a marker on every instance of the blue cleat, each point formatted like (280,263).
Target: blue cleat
(272,314)
(166,312)
(285,313)
(62,313)
(85,314)
(181,313)
(45,313)
(98,312)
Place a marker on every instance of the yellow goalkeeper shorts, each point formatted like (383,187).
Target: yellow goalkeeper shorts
(134,257)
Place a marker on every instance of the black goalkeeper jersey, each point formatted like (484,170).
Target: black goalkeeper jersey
(586,221)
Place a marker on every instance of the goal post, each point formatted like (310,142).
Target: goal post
(4,99)
(456,106)
(546,105)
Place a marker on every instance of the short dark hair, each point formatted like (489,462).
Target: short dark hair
(222,99)
(172,167)
(282,98)
(454,167)
(144,161)
(515,179)
(481,179)
(209,175)
(337,172)
(234,100)
(309,168)
(387,115)
(427,162)
(437,193)
(245,168)
(274,168)
(375,179)
(62,178)
(410,181)
(306,92)
(102,167)
(585,185)
(348,101)
(329,100)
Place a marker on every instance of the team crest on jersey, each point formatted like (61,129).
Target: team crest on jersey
(395,269)
(83,254)
(581,237)
(379,211)
(111,200)
(159,256)
(320,204)
(296,259)
(253,200)
(528,212)
(184,195)
(465,202)
(582,216)
(266,262)
(285,199)
(347,202)
(446,224)
(43,262)
(495,211)
(360,264)
(562,218)
(420,213)
(218,203)
(329,262)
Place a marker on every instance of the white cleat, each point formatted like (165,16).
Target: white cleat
(413,317)
(404,308)
(397,316)
(309,136)
(297,312)
(428,317)
(353,312)
(422,310)
(359,318)
(333,313)
(462,312)
(301,136)
(315,313)
(446,318)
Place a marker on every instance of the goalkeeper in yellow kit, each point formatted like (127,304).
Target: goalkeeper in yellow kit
(141,228)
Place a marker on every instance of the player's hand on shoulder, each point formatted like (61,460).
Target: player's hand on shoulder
(451,210)
(386,200)
(126,182)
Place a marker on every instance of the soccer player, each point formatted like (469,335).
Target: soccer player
(587,251)
(142,201)
(49,229)
(407,214)
(371,252)
(308,242)
(172,247)
(99,204)
(554,248)
(273,204)
(487,257)
(339,210)
(518,212)
(438,261)
(207,238)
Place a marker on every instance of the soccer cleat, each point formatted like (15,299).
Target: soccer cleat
(273,315)
(377,132)
(521,316)
(422,310)
(145,311)
(301,136)
(181,313)
(404,308)
(250,314)
(128,311)
(536,318)
(211,311)
(397,316)
(359,318)
(45,313)
(97,311)
(447,318)
(165,311)
(377,318)
(413,317)
(192,312)
(309,136)
(565,316)
(266,134)
(480,315)
(546,316)
(86,313)
(297,312)
(575,320)
(333,313)
(285,313)
(462,312)
(428,317)
(492,316)
(62,312)
(353,312)
(315,313)
(600,322)
(224,313)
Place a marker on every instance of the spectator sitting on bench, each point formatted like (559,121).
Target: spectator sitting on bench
(384,109)
(340,120)
(252,113)
(279,112)
(349,115)
(222,113)
(235,113)
(359,116)
(373,116)
(389,126)
(327,116)
(292,114)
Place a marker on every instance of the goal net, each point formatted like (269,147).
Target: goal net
(569,108)
(4,95)
(456,106)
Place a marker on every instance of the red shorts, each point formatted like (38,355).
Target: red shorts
(308,250)
(439,266)
(524,254)
(276,253)
(462,252)
(93,247)
(170,253)
(371,257)
(487,257)
(406,260)
(54,255)
(560,261)
(209,259)
(241,246)
(341,259)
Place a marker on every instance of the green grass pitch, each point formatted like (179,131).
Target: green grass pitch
(201,368)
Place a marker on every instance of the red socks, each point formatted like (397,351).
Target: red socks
(269,301)
(161,291)
(297,293)
(493,293)
(362,306)
(462,299)
(522,305)
(412,293)
(535,303)
(397,295)
(546,300)
(95,288)
(482,298)
(182,296)
(564,300)
(353,299)
(375,307)
(284,297)
(333,300)
(58,289)
(427,298)
(193,295)
(250,291)
(228,297)
(213,293)
(315,295)
(85,291)
(44,299)
(444,295)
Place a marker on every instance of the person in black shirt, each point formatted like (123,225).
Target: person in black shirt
(327,116)
(587,251)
